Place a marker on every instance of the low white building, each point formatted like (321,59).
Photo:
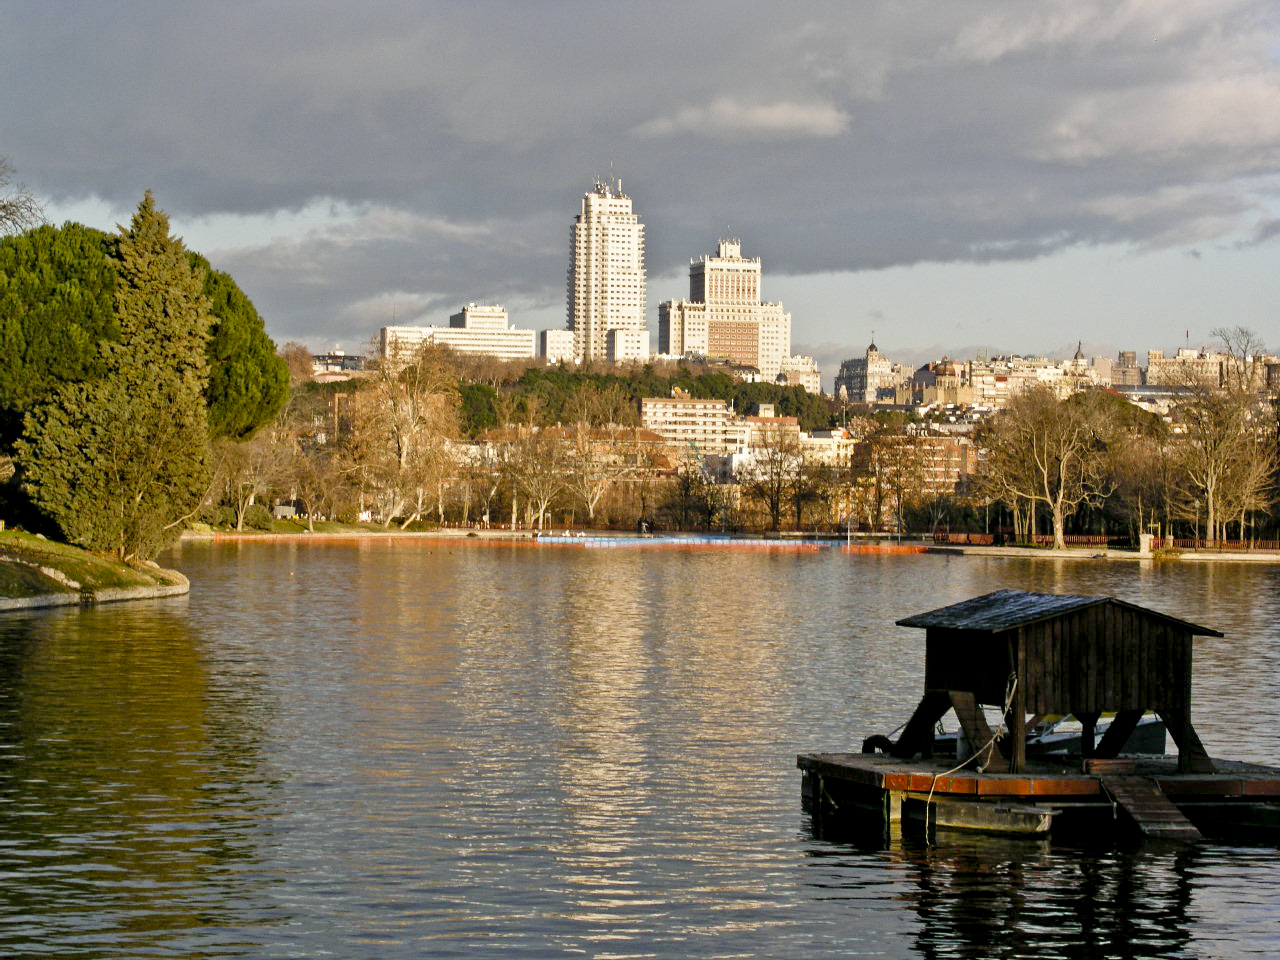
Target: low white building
(624,344)
(476,328)
(709,427)
(556,346)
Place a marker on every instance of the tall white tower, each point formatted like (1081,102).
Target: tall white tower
(606,277)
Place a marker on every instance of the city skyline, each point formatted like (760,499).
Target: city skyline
(1006,179)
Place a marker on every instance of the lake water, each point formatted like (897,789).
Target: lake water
(447,749)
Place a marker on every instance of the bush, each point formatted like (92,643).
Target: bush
(257,517)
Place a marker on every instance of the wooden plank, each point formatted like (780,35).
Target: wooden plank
(1151,809)
(1131,680)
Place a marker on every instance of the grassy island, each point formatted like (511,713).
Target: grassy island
(35,572)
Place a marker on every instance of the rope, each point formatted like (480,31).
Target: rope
(1010,686)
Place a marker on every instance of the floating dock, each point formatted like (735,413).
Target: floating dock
(1069,798)
(1029,657)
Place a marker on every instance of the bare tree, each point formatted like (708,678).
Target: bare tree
(1223,460)
(1245,371)
(403,426)
(537,467)
(245,470)
(767,477)
(19,210)
(298,358)
(1043,450)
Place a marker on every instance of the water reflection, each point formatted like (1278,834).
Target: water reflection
(423,748)
(126,805)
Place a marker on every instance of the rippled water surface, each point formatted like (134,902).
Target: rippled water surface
(434,749)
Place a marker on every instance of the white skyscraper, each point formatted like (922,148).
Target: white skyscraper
(606,277)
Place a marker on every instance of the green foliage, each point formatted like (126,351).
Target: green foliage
(56,287)
(555,388)
(119,461)
(248,380)
(479,408)
(257,517)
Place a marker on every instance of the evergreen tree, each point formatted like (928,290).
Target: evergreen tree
(119,461)
(56,290)
(248,381)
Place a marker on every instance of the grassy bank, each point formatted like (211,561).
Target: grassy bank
(32,567)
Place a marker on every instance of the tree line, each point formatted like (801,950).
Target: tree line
(141,393)
(127,358)
(1210,470)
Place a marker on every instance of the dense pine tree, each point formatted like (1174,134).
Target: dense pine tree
(56,290)
(248,380)
(120,460)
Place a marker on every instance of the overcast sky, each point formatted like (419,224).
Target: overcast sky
(1014,176)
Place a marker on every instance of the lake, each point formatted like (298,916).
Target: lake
(438,748)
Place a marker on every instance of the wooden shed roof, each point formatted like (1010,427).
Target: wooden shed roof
(1008,609)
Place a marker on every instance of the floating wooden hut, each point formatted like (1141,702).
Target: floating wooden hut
(1027,656)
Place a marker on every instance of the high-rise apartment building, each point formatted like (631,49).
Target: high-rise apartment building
(606,276)
(724,317)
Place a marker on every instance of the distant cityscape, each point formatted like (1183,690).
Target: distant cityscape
(724,321)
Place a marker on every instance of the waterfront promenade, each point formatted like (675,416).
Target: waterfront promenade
(601,538)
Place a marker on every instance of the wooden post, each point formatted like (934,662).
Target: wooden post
(918,736)
(1117,735)
(1088,721)
(1017,724)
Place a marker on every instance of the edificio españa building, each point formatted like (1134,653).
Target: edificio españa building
(724,317)
(606,278)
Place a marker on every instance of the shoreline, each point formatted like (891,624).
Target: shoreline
(584,539)
(180,586)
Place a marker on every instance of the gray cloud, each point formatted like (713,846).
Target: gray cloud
(831,138)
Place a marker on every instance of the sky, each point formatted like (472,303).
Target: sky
(946,178)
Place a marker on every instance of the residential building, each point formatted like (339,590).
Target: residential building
(606,274)
(768,431)
(724,317)
(706,427)
(623,345)
(919,464)
(555,346)
(1186,367)
(1125,372)
(801,372)
(943,383)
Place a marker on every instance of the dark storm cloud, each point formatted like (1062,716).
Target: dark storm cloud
(829,137)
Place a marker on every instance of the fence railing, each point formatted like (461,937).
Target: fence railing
(1040,540)
(1098,541)
(1215,546)
(973,539)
